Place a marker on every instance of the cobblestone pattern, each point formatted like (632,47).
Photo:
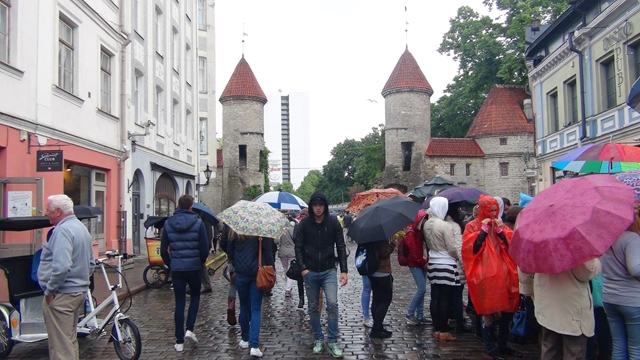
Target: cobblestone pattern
(285,331)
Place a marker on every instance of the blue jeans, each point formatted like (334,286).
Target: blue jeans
(417,304)
(328,281)
(624,322)
(366,296)
(180,280)
(250,308)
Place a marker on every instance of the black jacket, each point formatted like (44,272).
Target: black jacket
(315,242)
(185,236)
(243,253)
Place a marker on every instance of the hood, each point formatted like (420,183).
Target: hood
(484,206)
(500,206)
(438,207)
(318,196)
(182,220)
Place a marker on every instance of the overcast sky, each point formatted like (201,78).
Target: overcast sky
(340,51)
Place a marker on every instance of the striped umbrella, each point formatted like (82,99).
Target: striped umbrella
(600,159)
(282,200)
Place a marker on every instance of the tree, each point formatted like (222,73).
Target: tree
(264,167)
(285,186)
(309,185)
(253,191)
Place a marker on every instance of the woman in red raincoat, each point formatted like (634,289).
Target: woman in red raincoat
(492,276)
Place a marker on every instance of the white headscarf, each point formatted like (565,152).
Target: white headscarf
(438,207)
(501,205)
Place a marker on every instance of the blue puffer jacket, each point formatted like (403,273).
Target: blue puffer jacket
(185,236)
(243,254)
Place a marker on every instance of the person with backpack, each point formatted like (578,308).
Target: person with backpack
(381,286)
(413,249)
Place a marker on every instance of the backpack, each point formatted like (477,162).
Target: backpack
(412,239)
(366,259)
(403,251)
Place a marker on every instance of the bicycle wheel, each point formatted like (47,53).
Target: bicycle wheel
(6,344)
(130,346)
(155,276)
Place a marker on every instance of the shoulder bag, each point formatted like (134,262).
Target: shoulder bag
(266,277)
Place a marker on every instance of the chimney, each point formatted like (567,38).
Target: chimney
(527,108)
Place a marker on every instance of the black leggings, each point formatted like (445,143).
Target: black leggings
(382,288)
(439,307)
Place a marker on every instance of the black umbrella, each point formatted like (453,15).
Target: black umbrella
(382,219)
(155,221)
(205,213)
(429,188)
(84,210)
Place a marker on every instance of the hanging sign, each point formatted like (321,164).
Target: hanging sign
(49,160)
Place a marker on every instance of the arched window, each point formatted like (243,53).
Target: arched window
(165,196)
(189,189)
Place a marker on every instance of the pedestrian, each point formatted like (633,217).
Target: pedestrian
(454,219)
(442,269)
(382,288)
(66,263)
(506,206)
(418,267)
(485,245)
(474,215)
(231,275)
(287,253)
(184,248)
(244,252)
(599,346)
(347,220)
(315,239)
(621,292)
(204,270)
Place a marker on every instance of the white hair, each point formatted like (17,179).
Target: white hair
(62,202)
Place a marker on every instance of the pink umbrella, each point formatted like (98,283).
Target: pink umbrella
(571,222)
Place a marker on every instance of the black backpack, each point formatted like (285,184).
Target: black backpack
(366,259)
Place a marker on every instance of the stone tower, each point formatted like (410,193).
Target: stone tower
(407,99)
(243,133)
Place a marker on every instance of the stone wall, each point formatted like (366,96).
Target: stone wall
(441,165)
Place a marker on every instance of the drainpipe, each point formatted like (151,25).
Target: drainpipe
(122,240)
(581,76)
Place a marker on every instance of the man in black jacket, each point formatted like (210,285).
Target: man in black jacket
(315,239)
(184,247)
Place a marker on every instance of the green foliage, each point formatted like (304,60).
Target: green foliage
(308,185)
(264,167)
(285,186)
(253,191)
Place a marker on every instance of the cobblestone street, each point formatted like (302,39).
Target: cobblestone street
(285,331)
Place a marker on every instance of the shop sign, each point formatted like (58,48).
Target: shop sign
(49,160)
(620,34)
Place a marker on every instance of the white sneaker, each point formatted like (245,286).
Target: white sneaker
(243,344)
(255,352)
(385,322)
(368,323)
(191,336)
(179,347)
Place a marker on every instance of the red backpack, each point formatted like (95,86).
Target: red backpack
(413,239)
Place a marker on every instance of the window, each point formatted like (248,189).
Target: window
(636,60)
(188,64)
(504,169)
(137,97)
(572,101)
(608,76)
(105,81)
(175,122)
(159,111)
(189,125)
(202,74)
(158,32)
(554,121)
(202,135)
(242,154)
(175,50)
(503,141)
(452,169)
(202,15)
(4,31)
(138,15)
(190,9)
(468,169)
(407,149)
(165,196)
(65,56)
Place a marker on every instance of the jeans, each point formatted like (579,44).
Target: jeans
(328,281)
(366,296)
(417,304)
(624,322)
(382,288)
(180,280)
(250,308)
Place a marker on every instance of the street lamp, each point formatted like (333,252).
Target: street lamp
(207,175)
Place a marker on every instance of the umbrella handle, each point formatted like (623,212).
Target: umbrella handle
(610,165)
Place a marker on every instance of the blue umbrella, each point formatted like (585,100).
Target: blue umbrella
(282,200)
(205,213)
(634,96)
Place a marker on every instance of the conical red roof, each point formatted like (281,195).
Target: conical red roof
(501,113)
(243,85)
(407,76)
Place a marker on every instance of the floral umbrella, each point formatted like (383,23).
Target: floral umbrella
(366,198)
(254,219)
(632,179)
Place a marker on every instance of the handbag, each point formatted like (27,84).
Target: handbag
(266,277)
(520,322)
(294,272)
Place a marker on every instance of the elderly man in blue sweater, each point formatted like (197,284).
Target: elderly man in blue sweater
(65,267)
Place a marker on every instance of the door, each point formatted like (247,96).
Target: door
(99,198)
(20,197)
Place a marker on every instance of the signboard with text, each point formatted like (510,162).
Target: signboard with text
(49,160)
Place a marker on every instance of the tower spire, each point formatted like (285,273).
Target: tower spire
(243,35)
(406,28)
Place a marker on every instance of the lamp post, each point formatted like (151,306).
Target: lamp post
(207,175)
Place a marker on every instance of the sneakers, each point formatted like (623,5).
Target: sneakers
(425,321)
(379,334)
(191,336)
(412,320)
(178,347)
(318,345)
(243,344)
(255,352)
(335,350)
(368,323)
(385,322)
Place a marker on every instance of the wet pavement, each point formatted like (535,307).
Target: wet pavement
(285,330)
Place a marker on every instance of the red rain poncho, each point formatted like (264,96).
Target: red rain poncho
(491,274)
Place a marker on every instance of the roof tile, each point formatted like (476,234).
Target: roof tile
(243,85)
(407,76)
(501,113)
(454,147)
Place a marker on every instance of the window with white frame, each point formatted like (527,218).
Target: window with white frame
(572,101)
(4,31)
(608,78)
(189,125)
(158,32)
(159,111)
(188,55)
(138,15)
(65,55)
(175,50)
(202,14)
(554,118)
(202,135)
(137,97)
(202,74)
(105,81)
(175,121)
(189,9)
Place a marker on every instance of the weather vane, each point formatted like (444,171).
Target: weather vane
(406,28)
(243,35)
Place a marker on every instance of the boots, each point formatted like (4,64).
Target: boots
(301,303)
